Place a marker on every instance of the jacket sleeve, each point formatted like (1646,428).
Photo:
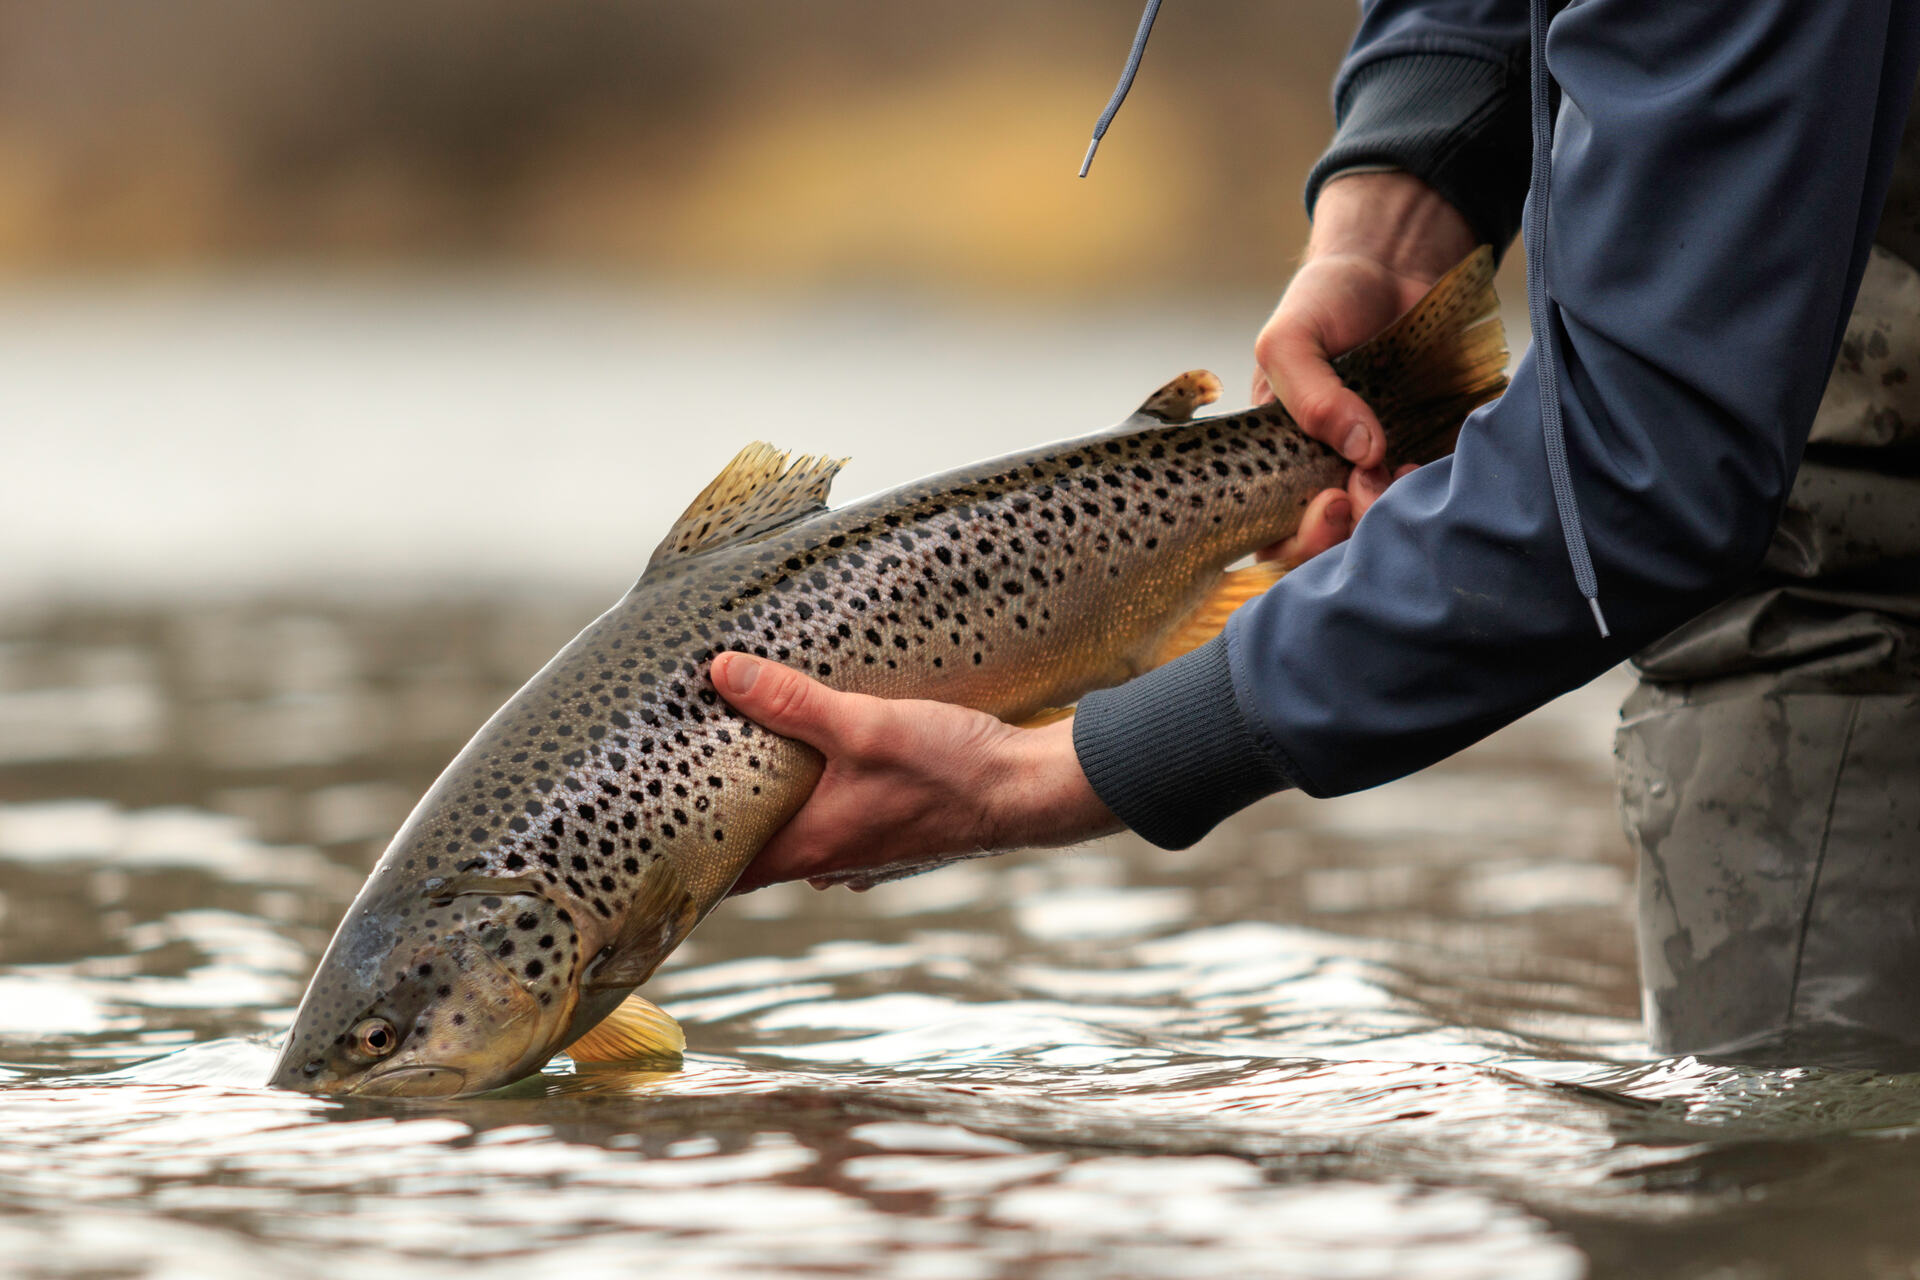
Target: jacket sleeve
(1719,170)
(1438,89)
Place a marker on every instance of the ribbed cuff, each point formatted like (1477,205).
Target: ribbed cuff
(1457,123)
(1170,753)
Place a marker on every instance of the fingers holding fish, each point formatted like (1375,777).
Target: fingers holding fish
(909,785)
(1379,241)
(1331,516)
(1332,305)
(787,702)
(1325,523)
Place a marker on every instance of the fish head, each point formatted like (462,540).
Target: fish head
(436,991)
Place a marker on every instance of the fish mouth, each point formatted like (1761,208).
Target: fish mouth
(412,1082)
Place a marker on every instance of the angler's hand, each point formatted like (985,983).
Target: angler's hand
(1379,242)
(908,785)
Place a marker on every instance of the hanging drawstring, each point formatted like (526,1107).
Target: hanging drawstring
(1546,338)
(1126,83)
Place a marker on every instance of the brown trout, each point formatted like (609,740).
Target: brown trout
(613,801)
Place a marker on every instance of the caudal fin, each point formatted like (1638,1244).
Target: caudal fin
(1433,366)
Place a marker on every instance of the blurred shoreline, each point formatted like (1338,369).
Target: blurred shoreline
(847,143)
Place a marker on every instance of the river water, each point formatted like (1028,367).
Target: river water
(1391,1035)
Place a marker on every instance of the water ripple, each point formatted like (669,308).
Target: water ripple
(1391,1035)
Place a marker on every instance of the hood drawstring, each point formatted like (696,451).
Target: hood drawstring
(1546,337)
(1126,83)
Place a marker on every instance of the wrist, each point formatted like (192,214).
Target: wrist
(1392,218)
(1041,798)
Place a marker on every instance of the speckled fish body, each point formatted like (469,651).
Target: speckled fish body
(615,799)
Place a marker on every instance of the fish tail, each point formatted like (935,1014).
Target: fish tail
(1433,366)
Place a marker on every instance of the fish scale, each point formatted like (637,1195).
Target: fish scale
(616,798)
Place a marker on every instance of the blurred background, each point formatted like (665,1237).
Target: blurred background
(476,294)
(825,145)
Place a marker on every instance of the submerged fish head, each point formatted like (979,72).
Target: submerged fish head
(432,993)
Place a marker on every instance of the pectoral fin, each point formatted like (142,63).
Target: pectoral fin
(637,1030)
(662,914)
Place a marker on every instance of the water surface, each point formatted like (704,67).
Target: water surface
(1390,1035)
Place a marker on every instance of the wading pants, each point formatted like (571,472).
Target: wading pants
(1769,761)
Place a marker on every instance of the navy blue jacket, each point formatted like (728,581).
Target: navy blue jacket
(1718,173)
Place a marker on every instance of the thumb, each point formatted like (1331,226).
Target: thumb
(778,698)
(1301,374)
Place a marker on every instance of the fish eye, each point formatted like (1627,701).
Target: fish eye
(374,1038)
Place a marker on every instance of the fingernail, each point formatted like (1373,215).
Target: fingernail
(1354,447)
(741,673)
(1375,479)
(1340,514)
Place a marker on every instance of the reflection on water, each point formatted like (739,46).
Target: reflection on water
(1391,1035)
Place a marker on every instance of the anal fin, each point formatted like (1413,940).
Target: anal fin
(636,1031)
(1234,589)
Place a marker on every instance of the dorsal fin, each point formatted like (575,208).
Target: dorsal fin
(1176,401)
(756,493)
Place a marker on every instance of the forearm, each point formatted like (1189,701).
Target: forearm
(1038,795)
(1394,219)
(1437,89)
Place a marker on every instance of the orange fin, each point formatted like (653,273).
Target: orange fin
(1234,589)
(1176,401)
(637,1030)
(1043,717)
(761,490)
